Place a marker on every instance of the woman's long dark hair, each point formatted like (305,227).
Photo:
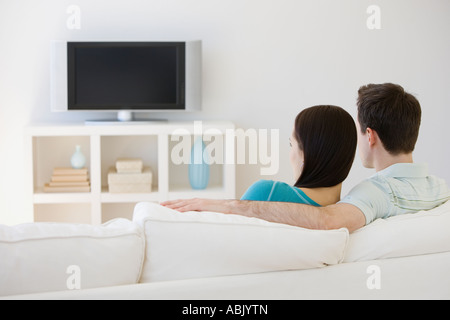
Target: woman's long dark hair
(327,136)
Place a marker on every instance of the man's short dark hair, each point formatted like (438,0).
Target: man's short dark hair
(393,113)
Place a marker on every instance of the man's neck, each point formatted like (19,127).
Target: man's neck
(388,160)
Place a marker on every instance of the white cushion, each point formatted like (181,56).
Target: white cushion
(196,245)
(424,232)
(37,257)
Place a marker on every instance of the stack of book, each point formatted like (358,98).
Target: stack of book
(68,180)
(130,176)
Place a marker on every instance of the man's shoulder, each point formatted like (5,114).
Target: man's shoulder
(420,187)
(385,195)
(370,185)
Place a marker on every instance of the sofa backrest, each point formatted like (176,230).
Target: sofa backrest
(195,245)
(207,244)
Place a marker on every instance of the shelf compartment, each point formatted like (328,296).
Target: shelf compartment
(65,213)
(107,197)
(112,211)
(143,147)
(40,196)
(179,173)
(212,192)
(52,152)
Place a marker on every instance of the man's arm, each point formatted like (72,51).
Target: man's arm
(336,216)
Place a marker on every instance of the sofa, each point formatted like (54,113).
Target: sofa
(162,254)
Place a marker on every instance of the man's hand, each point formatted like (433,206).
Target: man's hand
(222,206)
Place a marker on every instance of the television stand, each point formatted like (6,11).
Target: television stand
(125,115)
(48,147)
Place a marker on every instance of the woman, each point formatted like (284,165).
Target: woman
(323,146)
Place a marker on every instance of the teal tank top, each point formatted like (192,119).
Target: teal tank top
(268,190)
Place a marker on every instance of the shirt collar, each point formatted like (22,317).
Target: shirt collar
(405,170)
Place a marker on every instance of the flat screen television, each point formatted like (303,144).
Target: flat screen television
(126,77)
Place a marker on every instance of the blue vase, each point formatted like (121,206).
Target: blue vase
(198,167)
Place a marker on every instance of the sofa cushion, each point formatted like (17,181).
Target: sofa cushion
(39,257)
(207,244)
(425,232)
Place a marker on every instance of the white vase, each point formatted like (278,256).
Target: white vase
(78,159)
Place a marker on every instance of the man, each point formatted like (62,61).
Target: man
(388,128)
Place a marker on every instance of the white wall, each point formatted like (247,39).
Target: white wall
(264,60)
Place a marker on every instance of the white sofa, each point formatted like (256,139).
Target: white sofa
(163,254)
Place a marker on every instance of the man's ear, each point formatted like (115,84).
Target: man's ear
(372,136)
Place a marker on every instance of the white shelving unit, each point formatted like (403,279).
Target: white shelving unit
(51,146)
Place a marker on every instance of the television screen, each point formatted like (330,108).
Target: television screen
(126,75)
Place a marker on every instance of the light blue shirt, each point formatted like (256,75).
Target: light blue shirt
(399,189)
(268,190)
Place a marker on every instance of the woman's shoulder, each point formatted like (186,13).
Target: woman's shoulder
(266,190)
(269,190)
(260,190)
(271,183)
(263,183)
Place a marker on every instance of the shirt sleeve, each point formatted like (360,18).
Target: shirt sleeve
(370,198)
